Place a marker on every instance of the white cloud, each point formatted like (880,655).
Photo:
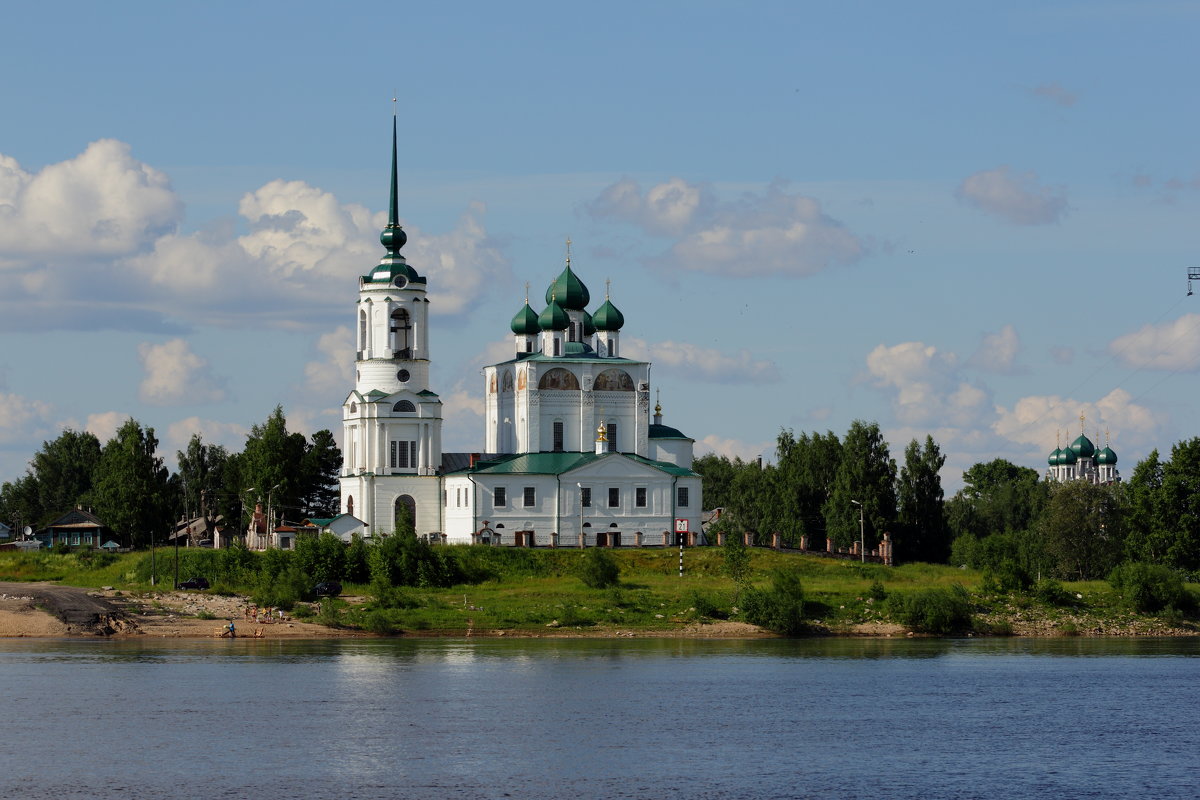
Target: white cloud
(758,234)
(1170,346)
(925,385)
(102,202)
(1041,420)
(1055,94)
(998,351)
(22,420)
(116,218)
(702,363)
(333,372)
(667,208)
(1014,197)
(105,424)
(734,448)
(174,375)
(462,412)
(230,435)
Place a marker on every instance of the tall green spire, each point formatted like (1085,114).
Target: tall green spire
(393,236)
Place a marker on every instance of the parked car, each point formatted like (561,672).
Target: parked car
(327,589)
(195,583)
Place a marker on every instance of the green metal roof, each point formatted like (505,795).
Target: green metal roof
(558,463)
(666,432)
(554,318)
(375,394)
(568,291)
(1106,456)
(525,323)
(607,317)
(427,393)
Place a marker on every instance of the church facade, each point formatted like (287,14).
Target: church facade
(571,455)
(1083,461)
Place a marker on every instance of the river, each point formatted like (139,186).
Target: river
(539,718)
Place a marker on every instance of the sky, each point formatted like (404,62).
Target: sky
(965,220)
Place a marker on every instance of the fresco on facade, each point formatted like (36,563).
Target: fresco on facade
(559,378)
(613,380)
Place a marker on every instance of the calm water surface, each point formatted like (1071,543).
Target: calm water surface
(1008,718)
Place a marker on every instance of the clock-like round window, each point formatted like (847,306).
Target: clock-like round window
(402,376)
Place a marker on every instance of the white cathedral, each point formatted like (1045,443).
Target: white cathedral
(573,457)
(1083,461)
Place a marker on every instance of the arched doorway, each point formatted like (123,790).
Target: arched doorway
(405,515)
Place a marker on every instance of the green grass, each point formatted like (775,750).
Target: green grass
(539,590)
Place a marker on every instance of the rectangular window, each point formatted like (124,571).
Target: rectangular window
(639,497)
(528,496)
(446,497)
(403,455)
(614,497)
(612,437)
(682,497)
(557,347)
(585,497)
(500,497)
(558,435)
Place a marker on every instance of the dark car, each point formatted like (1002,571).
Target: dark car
(195,583)
(327,589)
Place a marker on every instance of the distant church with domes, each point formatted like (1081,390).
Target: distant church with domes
(1081,461)
(571,455)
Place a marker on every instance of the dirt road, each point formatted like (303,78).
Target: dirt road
(74,607)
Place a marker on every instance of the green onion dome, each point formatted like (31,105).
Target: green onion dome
(589,325)
(569,291)
(608,318)
(525,323)
(1083,447)
(1106,456)
(1054,457)
(554,318)
(1067,457)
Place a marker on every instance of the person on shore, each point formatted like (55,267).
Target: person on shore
(232,632)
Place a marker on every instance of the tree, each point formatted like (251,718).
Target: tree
(1180,506)
(65,470)
(320,494)
(718,473)
(1083,529)
(201,474)
(1148,538)
(807,469)
(19,503)
(923,520)
(272,463)
(997,497)
(130,492)
(866,474)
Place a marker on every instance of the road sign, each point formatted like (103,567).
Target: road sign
(681,526)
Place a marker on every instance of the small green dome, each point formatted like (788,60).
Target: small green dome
(1067,457)
(393,238)
(1106,456)
(589,325)
(608,318)
(554,318)
(525,323)
(569,291)
(391,267)
(1054,457)
(1083,447)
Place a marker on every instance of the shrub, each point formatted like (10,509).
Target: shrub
(282,590)
(708,606)
(1051,592)
(876,591)
(938,611)
(599,569)
(780,608)
(377,622)
(1148,587)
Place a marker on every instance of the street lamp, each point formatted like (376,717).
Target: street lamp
(862,532)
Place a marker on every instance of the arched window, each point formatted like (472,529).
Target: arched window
(354,408)
(362,329)
(350,505)
(507,385)
(405,519)
(404,407)
(559,378)
(401,331)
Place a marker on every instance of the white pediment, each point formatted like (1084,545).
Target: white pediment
(613,465)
